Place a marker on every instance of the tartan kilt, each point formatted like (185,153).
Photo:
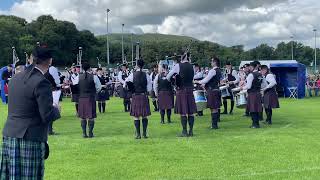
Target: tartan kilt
(75,98)
(140,106)
(103,95)
(87,108)
(185,102)
(270,99)
(214,99)
(254,102)
(21,159)
(165,100)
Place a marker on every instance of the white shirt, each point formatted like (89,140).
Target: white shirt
(269,82)
(122,81)
(55,74)
(235,75)
(149,83)
(75,79)
(249,80)
(175,70)
(198,75)
(210,75)
(97,83)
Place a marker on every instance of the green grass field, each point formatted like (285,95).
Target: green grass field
(289,149)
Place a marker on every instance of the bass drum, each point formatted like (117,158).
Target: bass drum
(200,99)
(241,99)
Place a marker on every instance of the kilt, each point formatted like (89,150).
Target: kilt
(87,108)
(270,99)
(185,102)
(165,100)
(103,95)
(75,98)
(254,102)
(124,93)
(140,106)
(214,99)
(21,159)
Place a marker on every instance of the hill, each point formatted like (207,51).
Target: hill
(149,37)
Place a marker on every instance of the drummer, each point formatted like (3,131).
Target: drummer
(164,91)
(245,75)
(211,83)
(270,98)
(253,87)
(198,76)
(232,79)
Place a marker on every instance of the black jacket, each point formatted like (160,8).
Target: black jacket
(30,106)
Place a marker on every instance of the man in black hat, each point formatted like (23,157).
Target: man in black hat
(253,86)
(30,110)
(232,79)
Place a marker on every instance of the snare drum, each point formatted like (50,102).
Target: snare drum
(200,99)
(224,91)
(241,99)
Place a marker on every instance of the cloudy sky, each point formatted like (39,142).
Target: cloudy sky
(228,22)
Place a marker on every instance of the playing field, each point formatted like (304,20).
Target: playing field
(289,149)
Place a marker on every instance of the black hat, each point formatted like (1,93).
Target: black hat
(42,53)
(228,63)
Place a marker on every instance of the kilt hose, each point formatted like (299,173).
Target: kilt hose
(21,159)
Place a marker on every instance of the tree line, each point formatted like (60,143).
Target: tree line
(65,39)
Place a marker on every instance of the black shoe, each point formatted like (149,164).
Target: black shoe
(91,135)
(224,112)
(52,133)
(231,113)
(145,136)
(162,122)
(169,122)
(84,135)
(190,134)
(138,136)
(183,134)
(214,127)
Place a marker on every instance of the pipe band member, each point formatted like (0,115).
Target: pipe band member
(232,78)
(164,91)
(53,76)
(140,108)
(30,110)
(253,87)
(153,95)
(124,93)
(185,102)
(103,95)
(211,83)
(270,96)
(89,85)
(198,76)
(75,86)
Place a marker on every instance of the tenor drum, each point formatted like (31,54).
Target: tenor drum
(224,91)
(241,99)
(200,99)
